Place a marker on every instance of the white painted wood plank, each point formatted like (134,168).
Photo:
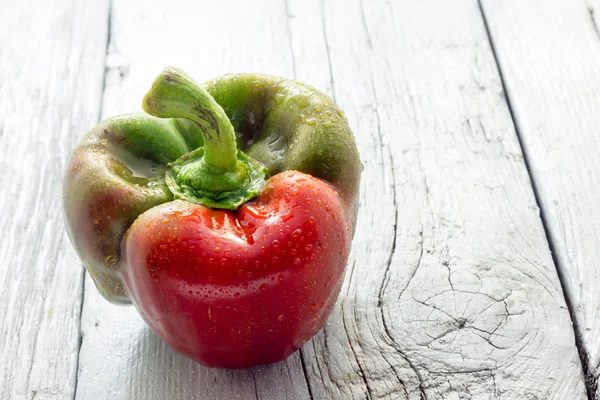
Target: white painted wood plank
(452,292)
(549,54)
(51,63)
(120,357)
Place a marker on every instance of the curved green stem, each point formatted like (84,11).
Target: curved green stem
(174,94)
(217,174)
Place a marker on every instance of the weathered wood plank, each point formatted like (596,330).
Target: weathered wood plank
(452,291)
(549,53)
(51,64)
(120,357)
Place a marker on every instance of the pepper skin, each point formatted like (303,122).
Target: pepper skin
(171,211)
(236,289)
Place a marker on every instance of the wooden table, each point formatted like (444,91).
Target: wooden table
(475,266)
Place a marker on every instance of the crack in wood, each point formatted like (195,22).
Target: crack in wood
(256,396)
(591,381)
(385,279)
(362,372)
(414,271)
(305,371)
(592,16)
(79,334)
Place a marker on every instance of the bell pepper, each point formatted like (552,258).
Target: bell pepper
(225,213)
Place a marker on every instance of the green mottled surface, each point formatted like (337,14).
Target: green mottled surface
(115,174)
(289,125)
(117,171)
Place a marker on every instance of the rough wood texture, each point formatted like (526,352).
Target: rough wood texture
(451,290)
(120,357)
(549,53)
(51,63)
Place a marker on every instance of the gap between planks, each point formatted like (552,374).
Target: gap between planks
(100,117)
(590,381)
(536,193)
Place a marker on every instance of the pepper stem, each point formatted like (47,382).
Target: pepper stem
(217,174)
(174,94)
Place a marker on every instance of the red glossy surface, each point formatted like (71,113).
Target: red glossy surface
(236,289)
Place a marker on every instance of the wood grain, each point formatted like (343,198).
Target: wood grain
(549,53)
(51,65)
(120,357)
(451,290)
